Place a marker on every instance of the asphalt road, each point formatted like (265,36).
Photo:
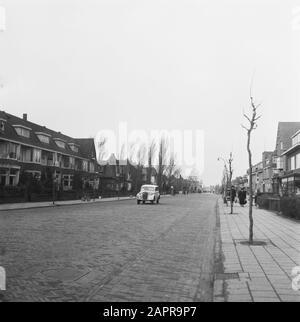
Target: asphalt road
(113,251)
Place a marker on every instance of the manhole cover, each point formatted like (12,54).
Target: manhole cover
(64,274)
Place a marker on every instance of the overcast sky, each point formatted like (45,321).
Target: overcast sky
(79,66)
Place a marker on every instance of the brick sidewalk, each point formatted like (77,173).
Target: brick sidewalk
(260,273)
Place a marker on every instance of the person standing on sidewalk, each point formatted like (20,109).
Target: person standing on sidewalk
(242,195)
(233,194)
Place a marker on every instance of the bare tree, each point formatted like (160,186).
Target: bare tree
(140,158)
(172,170)
(162,154)
(141,155)
(121,155)
(101,148)
(151,152)
(252,125)
(131,151)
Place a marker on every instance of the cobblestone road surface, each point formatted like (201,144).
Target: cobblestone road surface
(115,251)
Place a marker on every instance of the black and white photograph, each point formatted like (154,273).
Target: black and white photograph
(149,153)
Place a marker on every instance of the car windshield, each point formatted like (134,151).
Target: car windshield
(148,188)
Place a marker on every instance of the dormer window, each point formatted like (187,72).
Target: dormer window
(22,130)
(296,139)
(60,143)
(43,137)
(2,125)
(73,147)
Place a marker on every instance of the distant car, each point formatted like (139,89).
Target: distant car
(148,192)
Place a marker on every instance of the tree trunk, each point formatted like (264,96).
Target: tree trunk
(250,190)
(230,184)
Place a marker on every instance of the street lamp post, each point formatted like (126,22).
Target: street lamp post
(53,188)
(230,177)
(226,172)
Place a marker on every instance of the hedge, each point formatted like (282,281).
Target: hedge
(290,207)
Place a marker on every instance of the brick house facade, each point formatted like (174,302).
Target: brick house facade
(33,155)
(290,181)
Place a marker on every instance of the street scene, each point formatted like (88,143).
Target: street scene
(111,251)
(149,151)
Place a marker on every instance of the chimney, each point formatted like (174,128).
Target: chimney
(25,116)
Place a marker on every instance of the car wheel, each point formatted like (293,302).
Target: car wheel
(144,201)
(138,202)
(152,201)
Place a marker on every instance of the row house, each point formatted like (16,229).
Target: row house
(116,176)
(257,176)
(123,176)
(290,180)
(262,173)
(285,154)
(240,182)
(275,173)
(34,150)
(269,164)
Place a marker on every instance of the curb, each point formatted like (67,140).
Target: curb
(61,203)
(219,284)
(58,204)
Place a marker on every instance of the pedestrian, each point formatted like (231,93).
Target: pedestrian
(257,193)
(225,198)
(242,195)
(233,194)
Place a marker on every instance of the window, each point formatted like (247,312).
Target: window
(59,160)
(36,156)
(281,145)
(13,150)
(73,147)
(296,139)
(67,181)
(78,164)
(3,150)
(66,161)
(60,144)
(22,131)
(92,167)
(279,163)
(72,162)
(2,125)
(85,165)
(47,158)
(293,162)
(34,174)
(9,177)
(26,154)
(3,176)
(43,138)
(298,161)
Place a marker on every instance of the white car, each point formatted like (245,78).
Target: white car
(148,192)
